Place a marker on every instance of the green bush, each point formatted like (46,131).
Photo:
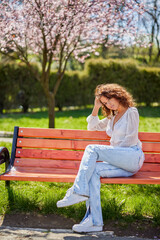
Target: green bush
(143,83)
(20,88)
(71,91)
(8,87)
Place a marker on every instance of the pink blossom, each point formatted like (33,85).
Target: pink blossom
(74,26)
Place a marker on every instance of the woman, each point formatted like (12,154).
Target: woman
(122,158)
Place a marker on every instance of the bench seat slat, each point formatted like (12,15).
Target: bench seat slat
(79,134)
(48,154)
(57,144)
(149,136)
(155,158)
(74,144)
(40,163)
(29,175)
(62,133)
(25,162)
(150,167)
(151,147)
(70,155)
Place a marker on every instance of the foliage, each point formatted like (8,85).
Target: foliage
(143,83)
(19,88)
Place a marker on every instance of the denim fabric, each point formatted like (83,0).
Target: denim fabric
(112,162)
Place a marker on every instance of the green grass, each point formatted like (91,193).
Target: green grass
(74,119)
(127,202)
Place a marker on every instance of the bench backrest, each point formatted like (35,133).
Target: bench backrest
(63,149)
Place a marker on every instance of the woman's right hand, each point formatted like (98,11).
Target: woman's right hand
(97,102)
(97,105)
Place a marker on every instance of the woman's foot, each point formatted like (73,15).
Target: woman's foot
(86,226)
(71,198)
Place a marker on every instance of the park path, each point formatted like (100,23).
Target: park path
(6,136)
(7,233)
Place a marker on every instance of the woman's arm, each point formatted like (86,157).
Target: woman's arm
(97,105)
(94,124)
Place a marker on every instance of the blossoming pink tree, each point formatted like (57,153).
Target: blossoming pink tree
(52,31)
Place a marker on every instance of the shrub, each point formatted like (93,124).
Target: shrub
(19,87)
(143,83)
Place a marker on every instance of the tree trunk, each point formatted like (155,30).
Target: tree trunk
(151,46)
(105,49)
(158,47)
(158,55)
(51,111)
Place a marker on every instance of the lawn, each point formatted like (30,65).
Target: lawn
(74,119)
(127,202)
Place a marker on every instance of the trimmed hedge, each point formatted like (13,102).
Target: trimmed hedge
(18,86)
(143,83)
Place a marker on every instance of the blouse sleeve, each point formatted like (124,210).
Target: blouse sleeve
(131,136)
(94,124)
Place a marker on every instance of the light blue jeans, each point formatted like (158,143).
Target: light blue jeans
(112,162)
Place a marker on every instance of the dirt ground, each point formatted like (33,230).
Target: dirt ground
(52,221)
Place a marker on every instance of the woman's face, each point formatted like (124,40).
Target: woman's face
(111,103)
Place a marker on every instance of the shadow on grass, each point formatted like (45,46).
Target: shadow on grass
(19,202)
(29,199)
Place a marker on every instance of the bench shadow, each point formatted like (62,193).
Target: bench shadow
(24,213)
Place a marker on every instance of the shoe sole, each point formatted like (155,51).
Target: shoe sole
(90,229)
(71,203)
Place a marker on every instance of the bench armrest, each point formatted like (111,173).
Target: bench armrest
(4,156)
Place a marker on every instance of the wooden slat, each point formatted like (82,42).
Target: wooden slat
(151,147)
(149,136)
(36,163)
(152,158)
(62,133)
(79,134)
(41,163)
(150,167)
(70,155)
(33,162)
(38,177)
(48,154)
(49,171)
(74,144)
(139,178)
(56,144)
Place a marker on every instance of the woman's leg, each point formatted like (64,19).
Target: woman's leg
(103,169)
(126,158)
(93,220)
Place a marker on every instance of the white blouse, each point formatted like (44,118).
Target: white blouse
(125,130)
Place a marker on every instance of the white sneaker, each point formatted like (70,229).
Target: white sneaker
(71,198)
(86,226)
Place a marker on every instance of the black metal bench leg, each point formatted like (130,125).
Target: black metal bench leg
(7,182)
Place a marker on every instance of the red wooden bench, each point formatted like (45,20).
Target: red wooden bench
(53,155)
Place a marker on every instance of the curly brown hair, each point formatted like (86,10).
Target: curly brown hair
(114,91)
